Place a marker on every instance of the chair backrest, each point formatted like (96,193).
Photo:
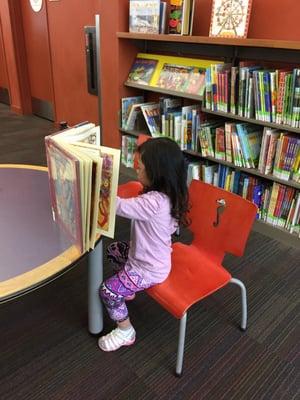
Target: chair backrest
(227,233)
(129,189)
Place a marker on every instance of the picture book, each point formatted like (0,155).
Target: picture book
(181,17)
(135,118)
(195,83)
(126,105)
(142,70)
(151,114)
(83,179)
(174,77)
(144,16)
(230,18)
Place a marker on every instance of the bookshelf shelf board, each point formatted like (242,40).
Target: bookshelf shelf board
(276,232)
(266,43)
(250,171)
(163,91)
(251,120)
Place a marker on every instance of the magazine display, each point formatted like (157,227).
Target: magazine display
(83,178)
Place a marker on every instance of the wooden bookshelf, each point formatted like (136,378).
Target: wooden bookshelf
(264,43)
(228,50)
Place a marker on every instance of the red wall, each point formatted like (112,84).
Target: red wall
(3,70)
(36,39)
(66,22)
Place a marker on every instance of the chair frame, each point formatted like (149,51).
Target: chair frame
(183,323)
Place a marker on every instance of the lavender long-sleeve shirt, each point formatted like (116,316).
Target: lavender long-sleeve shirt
(151,230)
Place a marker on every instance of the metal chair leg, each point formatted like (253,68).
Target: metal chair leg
(180,350)
(244,302)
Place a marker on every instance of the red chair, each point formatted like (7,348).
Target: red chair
(221,222)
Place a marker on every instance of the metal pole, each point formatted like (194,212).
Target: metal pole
(98,60)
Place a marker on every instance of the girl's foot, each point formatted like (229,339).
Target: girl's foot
(116,339)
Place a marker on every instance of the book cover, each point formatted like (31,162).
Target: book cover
(230,18)
(142,70)
(151,113)
(144,16)
(126,104)
(173,77)
(83,179)
(175,18)
(64,175)
(195,83)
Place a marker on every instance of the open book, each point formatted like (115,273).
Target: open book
(83,179)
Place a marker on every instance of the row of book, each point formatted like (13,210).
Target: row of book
(271,151)
(155,16)
(277,204)
(252,91)
(180,74)
(246,145)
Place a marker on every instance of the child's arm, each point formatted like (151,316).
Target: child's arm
(142,208)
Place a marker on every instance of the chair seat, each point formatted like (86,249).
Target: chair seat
(189,280)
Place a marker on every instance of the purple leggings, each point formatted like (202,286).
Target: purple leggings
(123,284)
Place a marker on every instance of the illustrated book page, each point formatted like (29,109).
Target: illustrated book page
(85,208)
(108,188)
(142,70)
(173,77)
(230,18)
(144,16)
(64,177)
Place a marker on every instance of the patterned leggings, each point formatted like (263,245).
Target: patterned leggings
(114,290)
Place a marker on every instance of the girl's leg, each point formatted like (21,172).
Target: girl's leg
(117,254)
(113,293)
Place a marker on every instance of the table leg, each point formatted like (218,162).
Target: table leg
(95,277)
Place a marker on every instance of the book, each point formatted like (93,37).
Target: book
(126,105)
(142,70)
(162,17)
(151,113)
(181,17)
(173,77)
(230,18)
(144,16)
(83,179)
(134,120)
(195,83)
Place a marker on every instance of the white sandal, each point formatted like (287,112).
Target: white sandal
(115,339)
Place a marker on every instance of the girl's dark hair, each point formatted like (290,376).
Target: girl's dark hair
(166,170)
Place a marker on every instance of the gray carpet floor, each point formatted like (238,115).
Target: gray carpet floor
(47,353)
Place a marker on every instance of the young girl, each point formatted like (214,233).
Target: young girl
(155,215)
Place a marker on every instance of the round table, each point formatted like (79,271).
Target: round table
(34,249)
